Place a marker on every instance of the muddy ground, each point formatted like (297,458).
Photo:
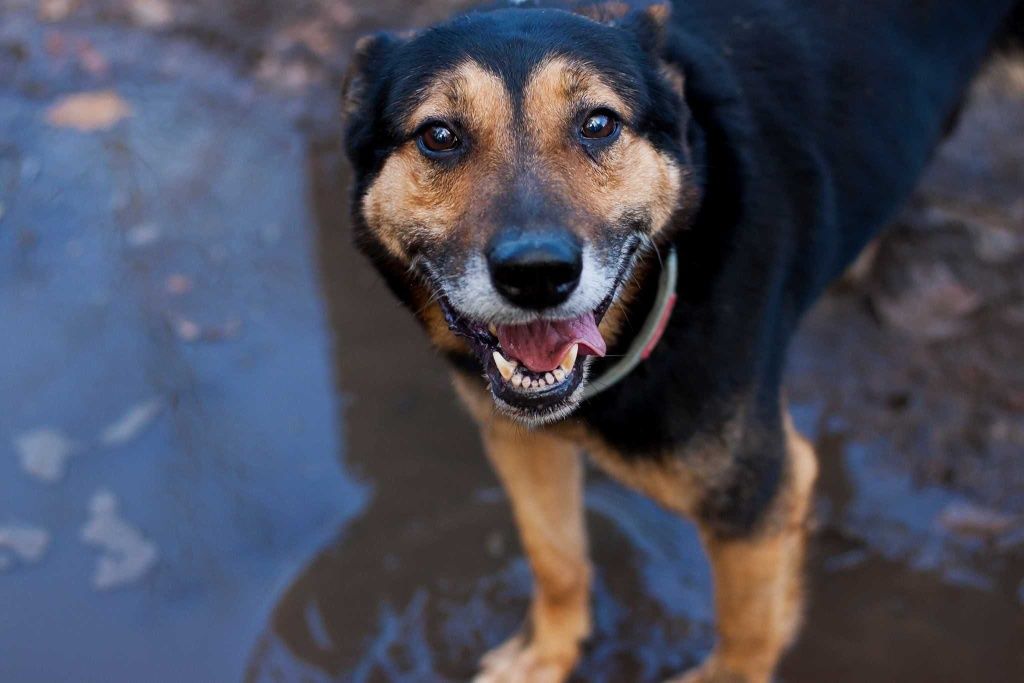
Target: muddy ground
(226,454)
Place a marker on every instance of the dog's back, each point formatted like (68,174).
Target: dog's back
(850,98)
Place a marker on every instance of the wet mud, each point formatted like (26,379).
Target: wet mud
(227,454)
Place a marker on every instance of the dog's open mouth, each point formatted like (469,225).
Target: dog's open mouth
(536,368)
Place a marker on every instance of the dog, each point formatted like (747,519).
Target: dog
(610,217)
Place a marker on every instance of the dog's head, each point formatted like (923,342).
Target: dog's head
(511,168)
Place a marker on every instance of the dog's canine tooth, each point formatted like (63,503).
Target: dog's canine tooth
(506,368)
(569,360)
(493,329)
(559,374)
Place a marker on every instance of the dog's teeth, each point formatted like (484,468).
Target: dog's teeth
(559,374)
(517,380)
(569,361)
(549,378)
(493,329)
(506,368)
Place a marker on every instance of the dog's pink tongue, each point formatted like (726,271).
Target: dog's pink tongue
(541,345)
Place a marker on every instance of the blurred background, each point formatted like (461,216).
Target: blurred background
(226,454)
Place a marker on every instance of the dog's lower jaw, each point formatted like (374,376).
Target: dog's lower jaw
(534,420)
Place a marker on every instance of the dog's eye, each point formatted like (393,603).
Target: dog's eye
(439,138)
(600,124)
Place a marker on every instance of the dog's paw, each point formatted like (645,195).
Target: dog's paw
(517,661)
(710,672)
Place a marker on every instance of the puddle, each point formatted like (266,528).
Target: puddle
(273,475)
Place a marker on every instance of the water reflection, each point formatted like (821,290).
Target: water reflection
(156,487)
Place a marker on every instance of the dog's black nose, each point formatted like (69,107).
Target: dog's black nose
(535,269)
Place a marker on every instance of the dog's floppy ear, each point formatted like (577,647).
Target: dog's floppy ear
(368,56)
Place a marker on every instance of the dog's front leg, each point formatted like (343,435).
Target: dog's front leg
(543,476)
(758,581)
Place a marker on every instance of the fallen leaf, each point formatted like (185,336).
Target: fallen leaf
(142,235)
(88,111)
(131,423)
(55,43)
(191,331)
(126,555)
(227,330)
(178,284)
(973,520)
(91,59)
(996,244)
(151,13)
(933,306)
(342,13)
(187,330)
(56,10)
(28,543)
(44,454)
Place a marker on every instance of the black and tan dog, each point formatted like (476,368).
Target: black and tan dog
(617,215)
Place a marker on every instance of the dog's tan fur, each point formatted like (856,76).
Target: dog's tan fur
(758,579)
(633,176)
(411,199)
(543,476)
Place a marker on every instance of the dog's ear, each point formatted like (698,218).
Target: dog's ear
(649,22)
(368,56)
(605,12)
(648,25)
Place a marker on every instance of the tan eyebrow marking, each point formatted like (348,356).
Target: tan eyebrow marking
(467,92)
(558,85)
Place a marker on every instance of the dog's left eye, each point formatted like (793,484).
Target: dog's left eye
(439,139)
(600,124)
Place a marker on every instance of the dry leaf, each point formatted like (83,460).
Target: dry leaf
(132,423)
(91,59)
(28,543)
(187,330)
(933,305)
(56,10)
(142,235)
(125,554)
(88,111)
(178,284)
(973,520)
(44,453)
(151,13)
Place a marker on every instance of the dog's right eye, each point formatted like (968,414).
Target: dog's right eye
(439,139)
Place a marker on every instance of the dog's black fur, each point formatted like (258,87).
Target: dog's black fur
(801,128)
(809,123)
(812,121)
